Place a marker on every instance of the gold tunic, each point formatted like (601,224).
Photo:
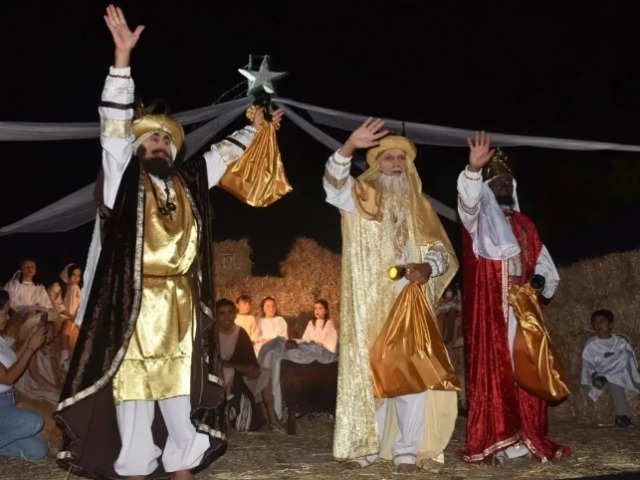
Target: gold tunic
(157,364)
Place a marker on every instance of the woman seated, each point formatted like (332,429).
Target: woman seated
(43,378)
(19,428)
(321,329)
(66,295)
(246,384)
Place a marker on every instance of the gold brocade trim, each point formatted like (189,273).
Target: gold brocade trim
(368,200)
(207,430)
(533,449)
(496,447)
(215,379)
(111,128)
(226,149)
(135,310)
(333,181)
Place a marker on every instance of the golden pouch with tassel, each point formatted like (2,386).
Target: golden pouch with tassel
(536,364)
(409,355)
(257,177)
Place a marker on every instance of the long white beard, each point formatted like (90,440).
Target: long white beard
(395,191)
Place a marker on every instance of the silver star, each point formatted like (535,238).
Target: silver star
(263,78)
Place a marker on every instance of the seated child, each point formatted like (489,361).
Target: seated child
(270,324)
(608,361)
(244,318)
(321,329)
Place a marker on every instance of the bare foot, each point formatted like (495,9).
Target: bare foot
(408,468)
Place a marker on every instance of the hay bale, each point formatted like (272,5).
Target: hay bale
(231,261)
(312,272)
(608,282)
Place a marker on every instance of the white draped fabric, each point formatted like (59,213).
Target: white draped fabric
(78,208)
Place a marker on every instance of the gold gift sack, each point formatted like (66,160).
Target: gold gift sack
(537,367)
(409,355)
(257,177)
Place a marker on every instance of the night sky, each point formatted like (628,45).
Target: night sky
(568,71)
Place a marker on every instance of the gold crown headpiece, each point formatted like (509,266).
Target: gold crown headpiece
(497,165)
(146,121)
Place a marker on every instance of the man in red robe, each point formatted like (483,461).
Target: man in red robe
(501,248)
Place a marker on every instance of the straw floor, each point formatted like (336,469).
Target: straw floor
(307,455)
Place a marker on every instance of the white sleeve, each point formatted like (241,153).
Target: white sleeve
(437,258)
(55,295)
(469,196)
(44,300)
(307,335)
(546,268)
(337,182)
(225,152)
(116,138)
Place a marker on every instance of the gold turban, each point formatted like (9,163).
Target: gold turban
(149,123)
(391,142)
(497,165)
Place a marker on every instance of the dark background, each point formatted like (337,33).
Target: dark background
(570,71)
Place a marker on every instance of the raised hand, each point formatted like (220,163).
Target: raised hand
(366,135)
(123,38)
(479,151)
(276,117)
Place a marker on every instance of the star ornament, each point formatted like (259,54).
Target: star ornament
(262,78)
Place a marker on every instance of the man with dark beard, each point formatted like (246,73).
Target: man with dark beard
(145,380)
(502,257)
(387,221)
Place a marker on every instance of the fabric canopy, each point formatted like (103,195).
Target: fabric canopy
(78,208)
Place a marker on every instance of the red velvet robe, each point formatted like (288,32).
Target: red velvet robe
(500,413)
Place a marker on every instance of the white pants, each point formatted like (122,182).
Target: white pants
(138,456)
(410,410)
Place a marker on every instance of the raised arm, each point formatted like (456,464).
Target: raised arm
(116,106)
(470,179)
(337,181)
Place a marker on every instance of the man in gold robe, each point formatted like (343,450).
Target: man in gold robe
(144,396)
(387,221)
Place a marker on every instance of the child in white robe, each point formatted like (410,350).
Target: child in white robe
(609,362)
(321,329)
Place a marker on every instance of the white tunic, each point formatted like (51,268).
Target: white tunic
(614,359)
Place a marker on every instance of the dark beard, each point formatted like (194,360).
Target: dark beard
(505,200)
(157,166)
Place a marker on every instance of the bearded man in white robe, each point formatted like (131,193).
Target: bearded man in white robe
(386,222)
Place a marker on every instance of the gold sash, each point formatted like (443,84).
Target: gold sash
(537,367)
